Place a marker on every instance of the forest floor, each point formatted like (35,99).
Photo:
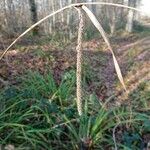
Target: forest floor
(99,77)
(132,52)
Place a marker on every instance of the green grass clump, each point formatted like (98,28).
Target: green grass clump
(38,86)
(40,114)
(30,111)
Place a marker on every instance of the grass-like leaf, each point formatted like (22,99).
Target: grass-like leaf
(102,32)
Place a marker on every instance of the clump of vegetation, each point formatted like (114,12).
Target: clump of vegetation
(39,114)
(141,96)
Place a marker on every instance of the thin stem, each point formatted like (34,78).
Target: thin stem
(79,61)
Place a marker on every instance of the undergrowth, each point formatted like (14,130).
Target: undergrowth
(141,96)
(41,114)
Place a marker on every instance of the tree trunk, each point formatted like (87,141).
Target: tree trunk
(130,17)
(53,9)
(34,17)
(69,17)
(111,13)
(113,21)
(137,14)
(62,14)
(129,25)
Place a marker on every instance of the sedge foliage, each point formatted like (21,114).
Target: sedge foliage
(40,114)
